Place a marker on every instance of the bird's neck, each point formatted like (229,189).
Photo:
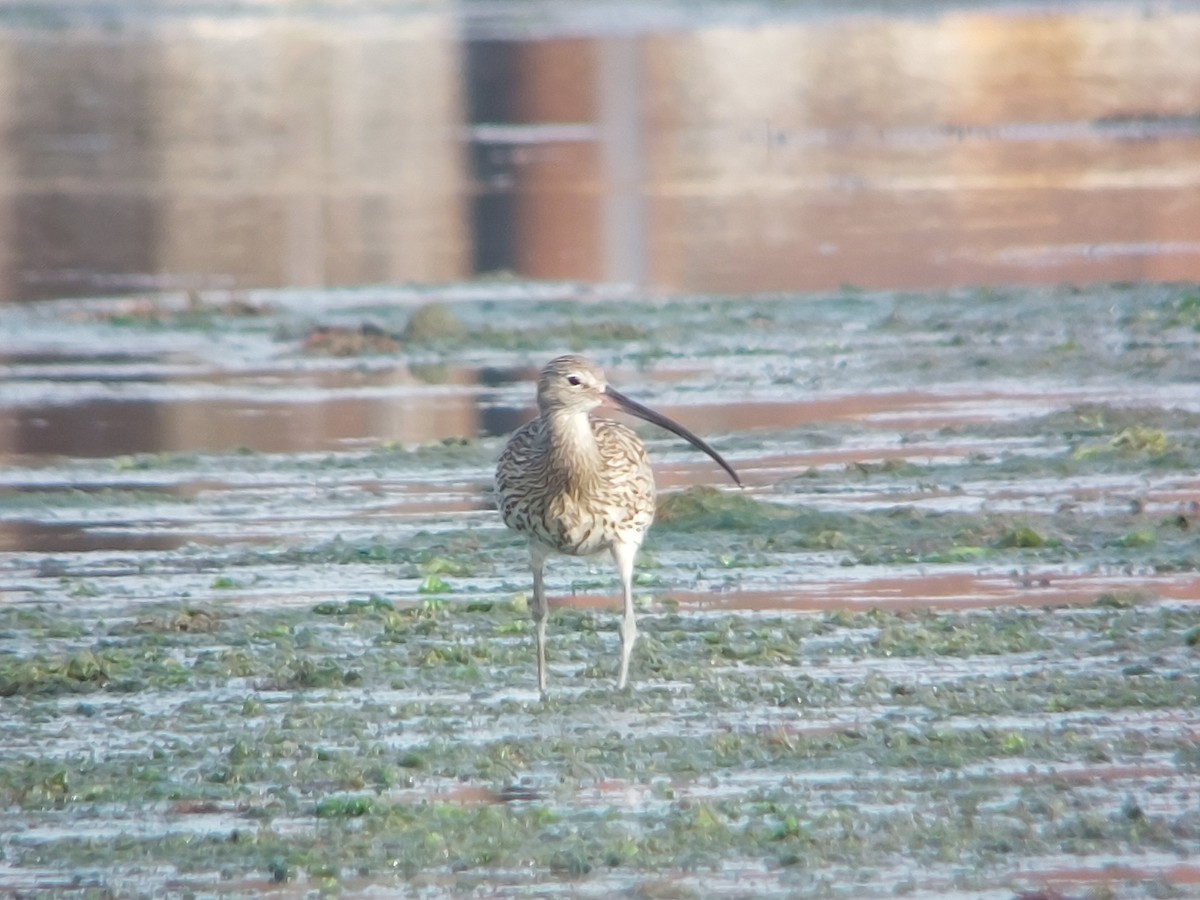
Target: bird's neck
(573,447)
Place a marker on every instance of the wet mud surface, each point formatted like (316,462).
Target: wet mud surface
(261,632)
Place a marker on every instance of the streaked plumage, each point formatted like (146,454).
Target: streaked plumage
(577,485)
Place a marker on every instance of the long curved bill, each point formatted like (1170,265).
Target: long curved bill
(620,401)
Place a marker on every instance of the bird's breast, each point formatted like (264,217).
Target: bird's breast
(579,509)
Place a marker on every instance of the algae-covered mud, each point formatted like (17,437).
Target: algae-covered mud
(261,632)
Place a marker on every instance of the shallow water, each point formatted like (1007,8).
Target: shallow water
(261,630)
(728,148)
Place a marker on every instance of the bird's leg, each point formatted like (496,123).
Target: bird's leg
(623,554)
(537,561)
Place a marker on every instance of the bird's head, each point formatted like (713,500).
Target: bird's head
(570,384)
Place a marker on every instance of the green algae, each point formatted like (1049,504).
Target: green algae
(320,754)
(708,509)
(432,322)
(1022,536)
(905,535)
(352,706)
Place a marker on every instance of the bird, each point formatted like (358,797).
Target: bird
(578,485)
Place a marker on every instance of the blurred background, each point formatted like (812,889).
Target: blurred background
(675,147)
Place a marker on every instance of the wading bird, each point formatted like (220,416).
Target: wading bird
(577,485)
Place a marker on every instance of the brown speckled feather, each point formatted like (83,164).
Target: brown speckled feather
(541,495)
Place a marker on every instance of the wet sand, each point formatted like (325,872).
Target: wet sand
(262,632)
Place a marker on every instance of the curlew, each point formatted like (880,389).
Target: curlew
(577,485)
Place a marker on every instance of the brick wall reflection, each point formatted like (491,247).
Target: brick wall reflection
(199,151)
(981,146)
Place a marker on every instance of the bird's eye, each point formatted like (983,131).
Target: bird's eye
(573,380)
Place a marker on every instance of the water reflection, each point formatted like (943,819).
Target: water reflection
(92,428)
(74,537)
(199,150)
(959,146)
